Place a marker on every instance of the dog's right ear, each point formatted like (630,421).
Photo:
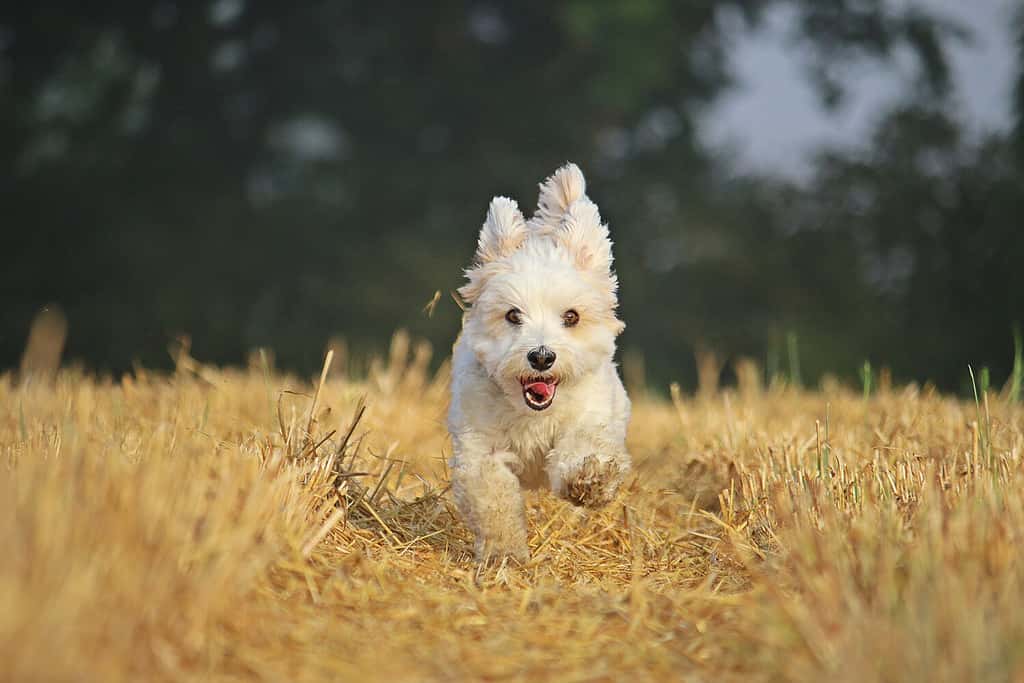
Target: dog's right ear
(502,233)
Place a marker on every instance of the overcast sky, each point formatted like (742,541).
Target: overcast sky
(773,118)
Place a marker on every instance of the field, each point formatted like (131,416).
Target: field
(238,525)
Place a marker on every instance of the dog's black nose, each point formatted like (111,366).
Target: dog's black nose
(541,358)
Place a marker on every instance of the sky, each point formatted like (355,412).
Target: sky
(773,119)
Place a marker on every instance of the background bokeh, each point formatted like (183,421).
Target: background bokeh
(267,174)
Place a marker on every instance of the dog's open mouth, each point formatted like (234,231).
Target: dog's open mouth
(539,392)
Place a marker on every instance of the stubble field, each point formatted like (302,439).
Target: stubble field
(237,525)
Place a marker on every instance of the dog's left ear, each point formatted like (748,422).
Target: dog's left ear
(557,193)
(585,237)
(503,231)
(566,213)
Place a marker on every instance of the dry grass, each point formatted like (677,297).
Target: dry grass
(209,526)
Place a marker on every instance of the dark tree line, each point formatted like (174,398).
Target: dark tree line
(260,174)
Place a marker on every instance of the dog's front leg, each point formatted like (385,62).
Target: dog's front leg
(586,469)
(489,497)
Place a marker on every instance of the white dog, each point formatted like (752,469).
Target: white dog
(536,398)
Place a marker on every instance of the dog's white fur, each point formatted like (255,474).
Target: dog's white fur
(558,261)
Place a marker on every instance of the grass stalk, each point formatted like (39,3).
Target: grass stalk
(1017,374)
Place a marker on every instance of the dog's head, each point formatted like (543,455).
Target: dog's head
(542,293)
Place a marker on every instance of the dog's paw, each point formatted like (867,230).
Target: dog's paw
(594,483)
(491,551)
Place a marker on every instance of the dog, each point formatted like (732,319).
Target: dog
(536,399)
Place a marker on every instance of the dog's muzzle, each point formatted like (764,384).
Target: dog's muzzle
(539,392)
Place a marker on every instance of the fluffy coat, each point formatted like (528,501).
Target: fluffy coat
(544,285)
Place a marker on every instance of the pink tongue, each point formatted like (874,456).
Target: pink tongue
(542,389)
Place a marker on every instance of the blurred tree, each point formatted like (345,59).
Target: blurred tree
(1018,90)
(257,173)
(933,219)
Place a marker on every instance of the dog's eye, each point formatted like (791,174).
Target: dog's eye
(570,318)
(514,316)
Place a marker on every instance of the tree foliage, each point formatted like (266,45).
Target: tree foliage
(263,174)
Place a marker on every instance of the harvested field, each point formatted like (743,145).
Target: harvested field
(238,525)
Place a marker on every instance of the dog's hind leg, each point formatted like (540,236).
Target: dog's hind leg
(488,495)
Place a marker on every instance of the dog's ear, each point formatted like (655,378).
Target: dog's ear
(566,213)
(503,231)
(585,237)
(557,193)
